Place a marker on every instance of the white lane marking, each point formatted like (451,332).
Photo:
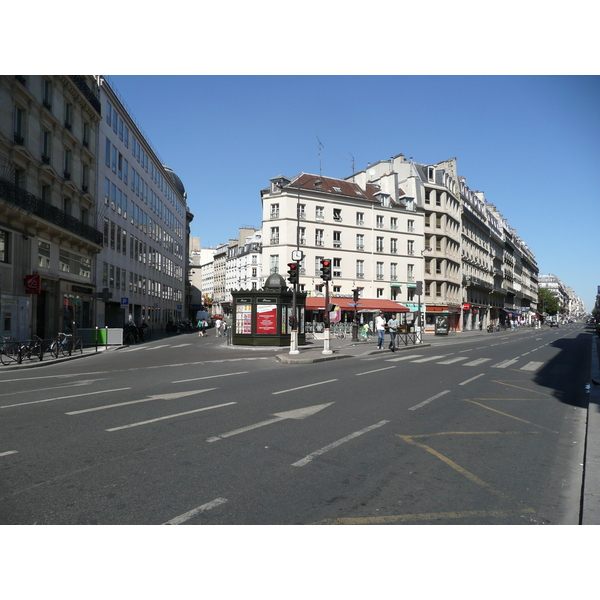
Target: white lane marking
(472,379)
(173,396)
(476,362)
(505,363)
(532,366)
(189,412)
(192,513)
(310,457)
(210,377)
(303,386)
(299,413)
(428,400)
(65,397)
(375,371)
(452,360)
(70,384)
(8,452)
(422,360)
(398,358)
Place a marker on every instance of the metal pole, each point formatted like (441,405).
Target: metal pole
(326,349)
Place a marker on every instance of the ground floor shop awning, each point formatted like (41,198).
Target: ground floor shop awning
(364,304)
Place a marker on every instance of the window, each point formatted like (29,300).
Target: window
(319,241)
(394,246)
(360,241)
(85,177)
(46,194)
(438,221)
(410,247)
(67,205)
(47,94)
(394,272)
(410,273)
(360,219)
(43,254)
(108,113)
(107,153)
(115,121)
(301,236)
(427,196)
(360,269)
(302,211)
(379,270)
(4,246)
(274,235)
(319,213)
(19,126)
(379,222)
(68,115)
(112,235)
(379,246)
(337,215)
(394,223)
(337,239)
(411,226)
(67,163)
(274,211)
(70,262)
(380,292)
(430,173)
(274,263)
(337,267)
(86,133)
(438,199)
(120,129)
(318,260)
(46,145)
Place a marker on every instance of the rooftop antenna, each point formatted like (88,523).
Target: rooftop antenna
(320,147)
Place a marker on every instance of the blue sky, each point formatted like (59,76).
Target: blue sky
(530,143)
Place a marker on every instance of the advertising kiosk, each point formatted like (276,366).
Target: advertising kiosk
(263,317)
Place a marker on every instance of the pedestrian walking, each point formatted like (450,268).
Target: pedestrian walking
(380,328)
(218,327)
(200,328)
(393,329)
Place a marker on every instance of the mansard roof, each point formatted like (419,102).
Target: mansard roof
(337,187)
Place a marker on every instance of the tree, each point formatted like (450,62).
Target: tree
(547,302)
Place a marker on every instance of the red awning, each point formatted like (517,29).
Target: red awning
(318,303)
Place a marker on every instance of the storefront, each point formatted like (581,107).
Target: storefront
(433,311)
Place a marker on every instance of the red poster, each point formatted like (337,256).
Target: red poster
(266,318)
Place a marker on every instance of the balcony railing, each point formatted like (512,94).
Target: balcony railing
(38,207)
(82,86)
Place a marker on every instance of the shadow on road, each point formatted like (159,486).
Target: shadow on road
(564,373)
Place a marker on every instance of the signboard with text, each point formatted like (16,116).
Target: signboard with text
(266,318)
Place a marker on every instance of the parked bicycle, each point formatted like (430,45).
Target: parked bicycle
(9,351)
(64,345)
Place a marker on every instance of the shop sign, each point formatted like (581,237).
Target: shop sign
(466,306)
(33,284)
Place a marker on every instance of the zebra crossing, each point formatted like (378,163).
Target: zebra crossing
(443,359)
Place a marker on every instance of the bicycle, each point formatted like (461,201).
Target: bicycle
(63,344)
(32,348)
(9,351)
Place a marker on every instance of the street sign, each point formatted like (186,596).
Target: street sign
(354,304)
(124,301)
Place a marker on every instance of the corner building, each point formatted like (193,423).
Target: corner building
(48,229)
(372,232)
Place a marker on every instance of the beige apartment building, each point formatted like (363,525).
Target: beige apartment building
(48,232)
(371,231)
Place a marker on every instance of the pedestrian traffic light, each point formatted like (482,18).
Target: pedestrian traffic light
(326,269)
(293,272)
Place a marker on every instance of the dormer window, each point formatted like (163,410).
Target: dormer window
(431,174)
(337,189)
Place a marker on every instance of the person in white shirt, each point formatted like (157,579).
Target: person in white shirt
(393,329)
(218,327)
(380,328)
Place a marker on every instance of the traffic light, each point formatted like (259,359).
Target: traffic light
(419,289)
(293,272)
(326,269)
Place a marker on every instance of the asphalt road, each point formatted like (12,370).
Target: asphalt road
(185,430)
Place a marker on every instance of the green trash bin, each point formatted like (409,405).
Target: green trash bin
(101,336)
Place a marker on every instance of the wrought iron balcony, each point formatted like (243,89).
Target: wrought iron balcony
(82,86)
(17,196)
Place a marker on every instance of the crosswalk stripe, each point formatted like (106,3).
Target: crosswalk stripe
(453,360)
(422,360)
(504,364)
(532,366)
(476,362)
(404,358)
